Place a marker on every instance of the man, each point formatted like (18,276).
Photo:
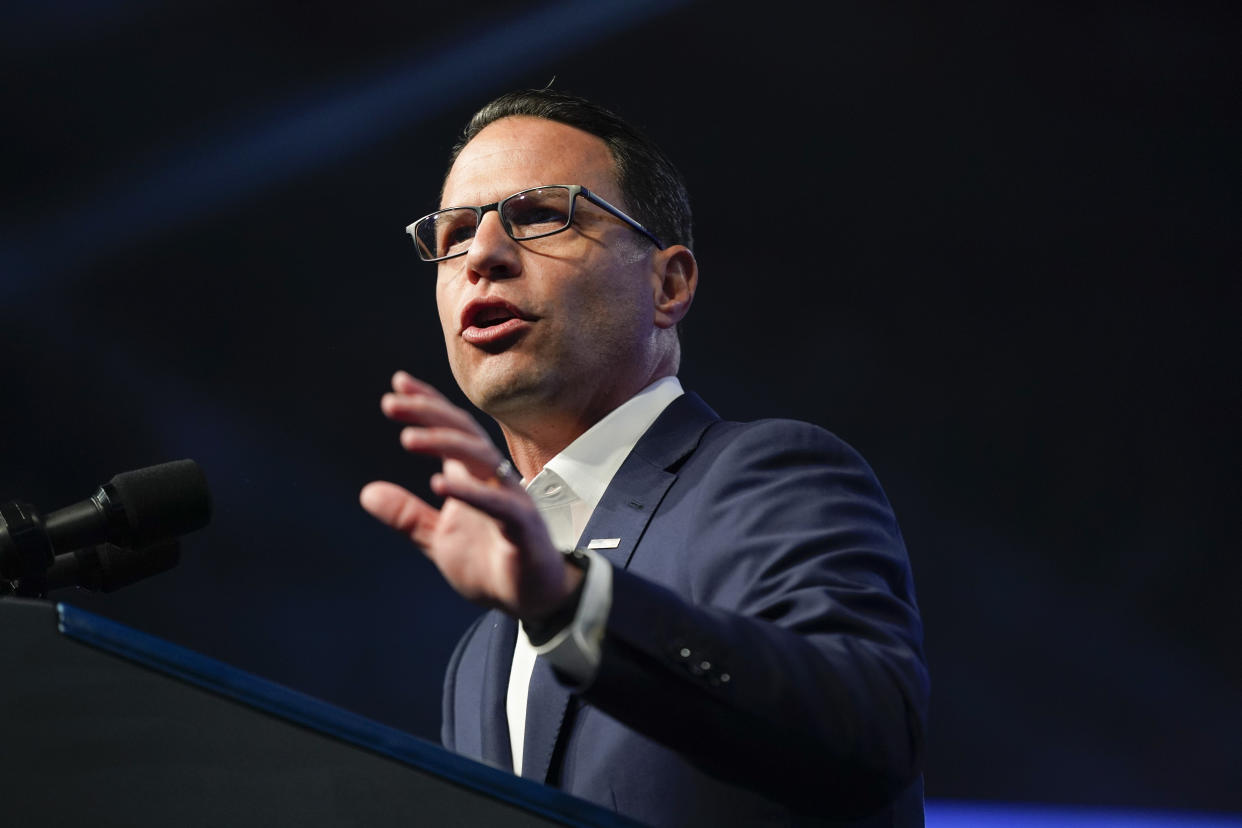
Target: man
(736,640)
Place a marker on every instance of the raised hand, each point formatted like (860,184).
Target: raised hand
(487,538)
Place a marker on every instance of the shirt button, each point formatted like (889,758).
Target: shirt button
(552,489)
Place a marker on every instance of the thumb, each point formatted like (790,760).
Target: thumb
(396,507)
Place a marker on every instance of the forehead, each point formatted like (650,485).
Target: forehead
(518,152)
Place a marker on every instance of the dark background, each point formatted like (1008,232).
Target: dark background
(993,246)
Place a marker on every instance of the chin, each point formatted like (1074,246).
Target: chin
(510,392)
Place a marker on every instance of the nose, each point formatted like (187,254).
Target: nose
(492,254)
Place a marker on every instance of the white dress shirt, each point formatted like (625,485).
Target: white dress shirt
(566,493)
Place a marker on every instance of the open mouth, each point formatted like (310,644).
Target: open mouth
(488,313)
(492,322)
(491,315)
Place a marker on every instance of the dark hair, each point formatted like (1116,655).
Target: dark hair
(653,189)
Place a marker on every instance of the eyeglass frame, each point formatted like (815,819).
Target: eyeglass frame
(575,190)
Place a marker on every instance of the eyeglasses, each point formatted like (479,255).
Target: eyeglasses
(529,214)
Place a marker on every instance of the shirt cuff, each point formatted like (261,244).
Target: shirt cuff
(575,651)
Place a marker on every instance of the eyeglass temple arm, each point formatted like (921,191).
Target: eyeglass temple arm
(594,199)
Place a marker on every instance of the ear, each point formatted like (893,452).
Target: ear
(675,277)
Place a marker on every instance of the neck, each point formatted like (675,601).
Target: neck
(534,437)
(531,449)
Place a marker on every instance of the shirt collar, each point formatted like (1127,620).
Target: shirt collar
(587,465)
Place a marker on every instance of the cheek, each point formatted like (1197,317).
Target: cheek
(444,305)
(612,315)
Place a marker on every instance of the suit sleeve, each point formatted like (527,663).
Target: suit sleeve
(786,655)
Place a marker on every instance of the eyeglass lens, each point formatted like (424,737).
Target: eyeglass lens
(525,215)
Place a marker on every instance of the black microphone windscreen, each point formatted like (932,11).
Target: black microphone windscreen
(163,501)
(107,567)
(119,567)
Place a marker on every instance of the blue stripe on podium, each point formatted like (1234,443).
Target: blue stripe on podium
(223,679)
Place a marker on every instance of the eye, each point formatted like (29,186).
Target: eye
(538,211)
(537,214)
(454,230)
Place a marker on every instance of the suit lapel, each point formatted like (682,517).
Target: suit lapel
(631,499)
(495,735)
(626,508)
(546,703)
(639,486)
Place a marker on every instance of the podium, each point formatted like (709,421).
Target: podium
(103,725)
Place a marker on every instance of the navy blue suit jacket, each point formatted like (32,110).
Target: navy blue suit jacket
(763,659)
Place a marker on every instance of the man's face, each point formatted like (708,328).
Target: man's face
(562,324)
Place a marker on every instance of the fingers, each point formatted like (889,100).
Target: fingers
(508,505)
(487,538)
(428,413)
(395,507)
(404,383)
(413,401)
(438,427)
(477,454)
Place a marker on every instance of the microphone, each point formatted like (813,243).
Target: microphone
(107,567)
(137,509)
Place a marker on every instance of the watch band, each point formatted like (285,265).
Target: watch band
(576,649)
(542,631)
